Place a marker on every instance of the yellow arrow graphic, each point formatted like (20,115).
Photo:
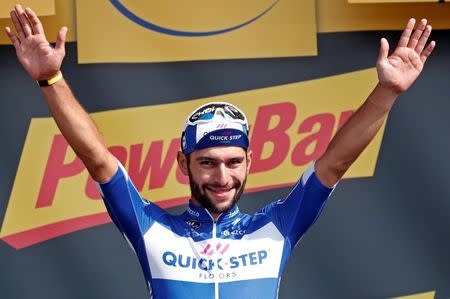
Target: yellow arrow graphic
(427,295)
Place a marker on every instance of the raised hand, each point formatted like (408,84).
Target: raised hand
(398,71)
(40,59)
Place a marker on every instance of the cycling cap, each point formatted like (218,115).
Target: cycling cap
(214,124)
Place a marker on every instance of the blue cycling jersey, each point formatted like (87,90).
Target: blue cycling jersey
(192,255)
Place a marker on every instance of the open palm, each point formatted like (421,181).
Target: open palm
(399,70)
(40,59)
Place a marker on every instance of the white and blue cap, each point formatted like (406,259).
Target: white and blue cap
(214,124)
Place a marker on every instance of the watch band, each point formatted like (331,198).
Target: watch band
(51,81)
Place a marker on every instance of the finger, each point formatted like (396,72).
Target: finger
(404,39)
(413,41)
(14,40)
(24,21)
(61,39)
(17,24)
(423,40)
(384,49)
(427,52)
(35,22)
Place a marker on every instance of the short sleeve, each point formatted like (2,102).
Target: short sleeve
(129,211)
(295,214)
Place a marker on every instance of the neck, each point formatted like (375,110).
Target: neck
(214,215)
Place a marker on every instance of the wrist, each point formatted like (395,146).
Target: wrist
(389,91)
(52,80)
(383,97)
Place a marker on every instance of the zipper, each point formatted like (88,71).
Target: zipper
(216,283)
(214,232)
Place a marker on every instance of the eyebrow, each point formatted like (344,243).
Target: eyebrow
(206,158)
(203,158)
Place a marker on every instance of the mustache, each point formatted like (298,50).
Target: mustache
(235,185)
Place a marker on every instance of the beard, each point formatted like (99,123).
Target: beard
(199,193)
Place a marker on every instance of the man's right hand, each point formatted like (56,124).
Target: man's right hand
(40,59)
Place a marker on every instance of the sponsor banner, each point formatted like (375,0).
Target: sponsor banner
(427,295)
(40,7)
(175,30)
(63,14)
(290,126)
(340,15)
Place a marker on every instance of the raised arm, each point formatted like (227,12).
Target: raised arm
(396,73)
(42,61)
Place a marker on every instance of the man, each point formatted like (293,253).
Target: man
(213,250)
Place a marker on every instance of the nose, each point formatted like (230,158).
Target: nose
(221,175)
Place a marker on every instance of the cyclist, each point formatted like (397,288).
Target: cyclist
(213,250)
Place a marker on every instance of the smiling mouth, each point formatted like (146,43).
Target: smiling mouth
(220,192)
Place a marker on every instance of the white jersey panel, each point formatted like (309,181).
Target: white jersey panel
(256,255)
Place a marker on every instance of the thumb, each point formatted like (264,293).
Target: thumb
(61,39)
(384,49)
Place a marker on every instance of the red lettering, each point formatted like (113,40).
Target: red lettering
(345,116)
(55,170)
(321,138)
(90,189)
(157,167)
(159,171)
(262,134)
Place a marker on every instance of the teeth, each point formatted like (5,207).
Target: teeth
(219,190)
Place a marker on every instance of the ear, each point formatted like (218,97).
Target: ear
(249,160)
(182,163)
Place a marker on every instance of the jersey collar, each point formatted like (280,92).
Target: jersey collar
(202,214)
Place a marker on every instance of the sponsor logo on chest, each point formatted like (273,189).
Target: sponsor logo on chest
(215,263)
(253,256)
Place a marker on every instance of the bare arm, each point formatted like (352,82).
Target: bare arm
(42,61)
(396,73)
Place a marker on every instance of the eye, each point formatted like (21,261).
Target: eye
(207,163)
(235,162)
